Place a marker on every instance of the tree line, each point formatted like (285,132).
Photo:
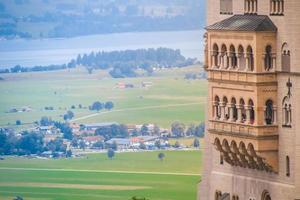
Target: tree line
(119,63)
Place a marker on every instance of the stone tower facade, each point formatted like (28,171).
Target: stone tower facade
(252,57)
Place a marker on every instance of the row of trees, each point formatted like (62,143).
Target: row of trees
(30,143)
(178,129)
(123,63)
(97,105)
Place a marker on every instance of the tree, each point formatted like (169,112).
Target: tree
(69,153)
(108,105)
(18,122)
(200,130)
(157,144)
(156,130)
(178,129)
(45,121)
(161,156)
(31,143)
(82,145)
(110,153)
(196,143)
(97,106)
(144,129)
(70,114)
(142,145)
(65,129)
(191,130)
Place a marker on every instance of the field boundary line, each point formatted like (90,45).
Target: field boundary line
(136,108)
(99,171)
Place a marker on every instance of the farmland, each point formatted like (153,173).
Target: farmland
(170,98)
(96,177)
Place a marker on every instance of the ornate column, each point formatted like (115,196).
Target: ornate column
(213,64)
(247,57)
(222,106)
(274,61)
(238,61)
(231,112)
(230,57)
(239,113)
(290,115)
(248,114)
(215,110)
(219,60)
(274,115)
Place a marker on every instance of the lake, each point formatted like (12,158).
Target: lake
(62,50)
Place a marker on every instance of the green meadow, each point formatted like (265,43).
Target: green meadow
(94,176)
(170,98)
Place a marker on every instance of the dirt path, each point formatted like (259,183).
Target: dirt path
(99,171)
(133,109)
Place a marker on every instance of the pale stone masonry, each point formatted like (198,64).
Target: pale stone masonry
(252,56)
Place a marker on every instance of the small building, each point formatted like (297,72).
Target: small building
(122,143)
(95,126)
(90,140)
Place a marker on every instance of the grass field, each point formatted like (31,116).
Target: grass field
(170,98)
(97,177)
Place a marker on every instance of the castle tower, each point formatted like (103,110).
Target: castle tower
(252,57)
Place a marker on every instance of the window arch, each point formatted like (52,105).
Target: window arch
(249,59)
(251,111)
(224,60)
(216,107)
(215,56)
(233,113)
(232,57)
(286,112)
(243,111)
(276,7)
(268,58)
(288,170)
(218,195)
(226,7)
(266,195)
(225,108)
(241,62)
(269,112)
(285,58)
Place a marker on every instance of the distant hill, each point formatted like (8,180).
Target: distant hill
(65,18)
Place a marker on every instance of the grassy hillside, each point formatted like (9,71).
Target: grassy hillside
(170,98)
(53,184)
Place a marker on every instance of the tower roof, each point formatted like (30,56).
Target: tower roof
(255,23)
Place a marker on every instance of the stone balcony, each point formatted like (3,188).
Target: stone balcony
(241,76)
(241,129)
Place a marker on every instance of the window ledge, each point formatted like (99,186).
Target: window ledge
(287,126)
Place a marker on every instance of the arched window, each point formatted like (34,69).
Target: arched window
(241,62)
(268,58)
(233,112)
(218,195)
(249,59)
(226,7)
(276,7)
(251,111)
(215,56)
(269,112)
(266,195)
(243,111)
(285,58)
(286,112)
(216,108)
(224,57)
(225,108)
(288,170)
(232,57)
(250,6)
